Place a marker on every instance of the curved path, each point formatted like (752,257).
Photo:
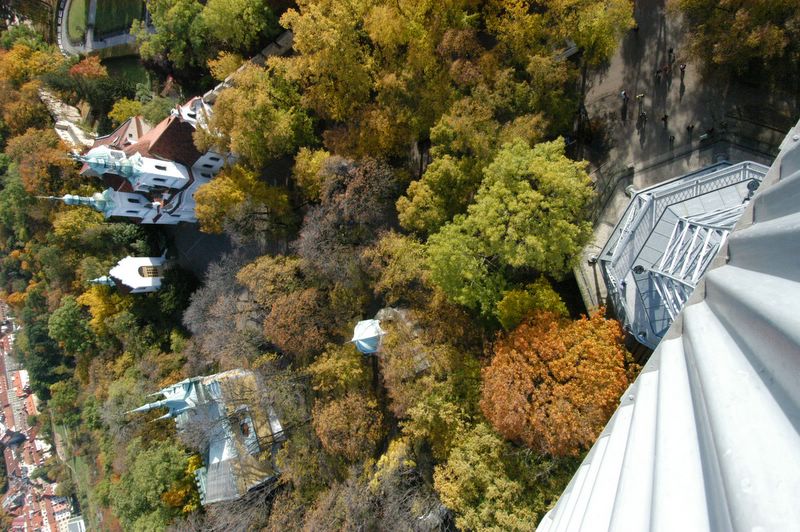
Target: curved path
(90,44)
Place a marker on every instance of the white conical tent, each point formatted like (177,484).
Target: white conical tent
(367,336)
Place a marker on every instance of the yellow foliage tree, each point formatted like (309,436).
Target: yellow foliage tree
(22,63)
(103,303)
(232,187)
(224,65)
(124,109)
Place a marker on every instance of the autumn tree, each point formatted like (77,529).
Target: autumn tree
(596,26)
(355,203)
(41,157)
(124,109)
(308,171)
(259,118)
(553,383)
(27,60)
(224,65)
(89,68)
(373,67)
(338,370)
(396,264)
(300,323)
(350,427)
(233,187)
(528,214)
(224,321)
(491,486)
(742,34)
(22,109)
(392,495)
(269,277)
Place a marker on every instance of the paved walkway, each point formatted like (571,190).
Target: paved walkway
(740,123)
(90,43)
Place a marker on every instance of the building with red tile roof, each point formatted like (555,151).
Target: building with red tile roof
(152,173)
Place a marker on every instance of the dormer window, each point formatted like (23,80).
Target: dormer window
(208,165)
(161,167)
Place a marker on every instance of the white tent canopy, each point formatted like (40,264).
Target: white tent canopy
(367,336)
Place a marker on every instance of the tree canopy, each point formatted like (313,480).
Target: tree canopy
(553,383)
(527,214)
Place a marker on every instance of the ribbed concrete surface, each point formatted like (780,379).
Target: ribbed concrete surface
(708,436)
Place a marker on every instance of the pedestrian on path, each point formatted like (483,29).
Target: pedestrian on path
(671,55)
(672,139)
(624,96)
(690,128)
(664,119)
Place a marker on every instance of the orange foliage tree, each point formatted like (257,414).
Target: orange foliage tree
(351,426)
(89,68)
(43,163)
(553,383)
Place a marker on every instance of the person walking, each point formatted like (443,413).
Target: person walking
(624,96)
(664,119)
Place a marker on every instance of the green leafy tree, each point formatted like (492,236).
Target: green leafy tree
(157,109)
(63,403)
(68,325)
(519,303)
(239,24)
(180,35)
(528,214)
(152,471)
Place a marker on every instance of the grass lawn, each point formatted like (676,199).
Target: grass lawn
(127,67)
(76,20)
(113,16)
(80,474)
